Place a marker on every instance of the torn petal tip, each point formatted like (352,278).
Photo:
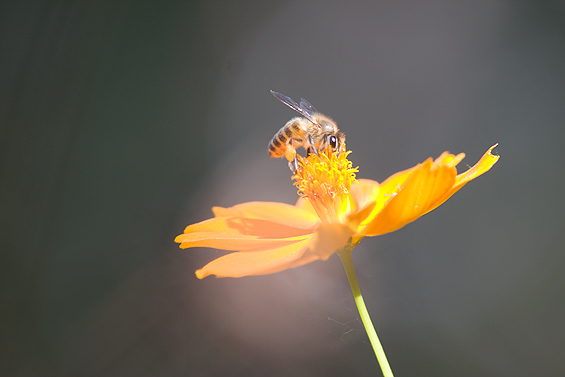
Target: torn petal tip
(200,274)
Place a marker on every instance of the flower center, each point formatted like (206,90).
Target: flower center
(325,180)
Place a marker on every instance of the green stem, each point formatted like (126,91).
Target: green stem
(345,255)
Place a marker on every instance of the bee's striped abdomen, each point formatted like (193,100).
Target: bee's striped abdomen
(278,144)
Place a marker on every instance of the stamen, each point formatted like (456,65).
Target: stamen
(325,180)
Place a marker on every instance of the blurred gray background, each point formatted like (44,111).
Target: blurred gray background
(121,123)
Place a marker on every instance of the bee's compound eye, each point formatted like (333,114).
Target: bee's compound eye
(333,142)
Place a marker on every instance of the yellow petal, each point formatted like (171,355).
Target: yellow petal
(280,213)
(423,187)
(232,241)
(390,186)
(382,195)
(258,262)
(233,233)
(486,162)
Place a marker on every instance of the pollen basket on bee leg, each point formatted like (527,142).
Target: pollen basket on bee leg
(290,153)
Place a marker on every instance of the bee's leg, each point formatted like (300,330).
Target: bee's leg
(312,146)
(293,165)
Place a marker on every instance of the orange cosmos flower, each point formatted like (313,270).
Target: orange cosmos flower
(335,211)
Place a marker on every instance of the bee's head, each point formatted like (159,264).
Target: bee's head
(335,140)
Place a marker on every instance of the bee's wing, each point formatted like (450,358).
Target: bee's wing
(307,106)
(304,111)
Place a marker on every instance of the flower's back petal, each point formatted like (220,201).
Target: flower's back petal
(304,203)
(329,238)
(234,242)
(234,233)
(364,192)
(246,226)
(448,159)
(279,213)
(258,262)
(424,186)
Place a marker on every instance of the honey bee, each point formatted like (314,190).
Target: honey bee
(313,131)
